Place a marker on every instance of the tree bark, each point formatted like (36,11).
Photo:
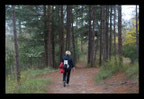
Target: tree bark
(82,42)
(16,45)
(119,34)
(89,35)
(53,40)
(100,53)
(61,36)
(106,33)
(114,31)
(68,43)
(73,41)
(103,33)
(45,36)
(92,40)
(49,38)
(110,43)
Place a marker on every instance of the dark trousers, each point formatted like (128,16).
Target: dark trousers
(66,74)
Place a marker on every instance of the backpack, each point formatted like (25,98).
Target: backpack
(66,64)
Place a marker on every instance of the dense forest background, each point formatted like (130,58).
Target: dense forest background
(37,36)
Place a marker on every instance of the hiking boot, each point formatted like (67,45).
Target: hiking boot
(64,84)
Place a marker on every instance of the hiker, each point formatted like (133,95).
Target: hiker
(68,65)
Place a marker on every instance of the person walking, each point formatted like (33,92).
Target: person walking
(67,65)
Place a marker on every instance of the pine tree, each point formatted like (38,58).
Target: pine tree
(61,36)
(16,45)
(45,35)
(89,35)
(49,37)
(110,43)
(119,35)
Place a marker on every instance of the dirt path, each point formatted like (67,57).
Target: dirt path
(82,81)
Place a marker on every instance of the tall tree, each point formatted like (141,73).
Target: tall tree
(92,39)
(119,34)
(89,34)
(53,39)
(82,42)
(104,32)
(16,45)
(73,41)
(100,53)
(61,36)
(110,41)
(49,37)
(114,31)
(45,35)
(69,11)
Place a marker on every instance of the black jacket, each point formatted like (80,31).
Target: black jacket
(70,62)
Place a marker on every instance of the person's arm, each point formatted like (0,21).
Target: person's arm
(72,64)
(62,60)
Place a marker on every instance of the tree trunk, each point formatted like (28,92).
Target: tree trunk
(82,42)
(16,45)
(49,38)
(92,40)
(89,35)
(100,53)
(61,36)
(106,35)
(103,33)
(96,48)
(110,43)
(45,36)
(114,31)
(69,11)
(53,39)
(73,41)
(119,34)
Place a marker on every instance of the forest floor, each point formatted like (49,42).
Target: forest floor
(82,81)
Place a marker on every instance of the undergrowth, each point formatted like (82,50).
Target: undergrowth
(111,67)
(30,81)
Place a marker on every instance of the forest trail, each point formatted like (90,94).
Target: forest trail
(82,81)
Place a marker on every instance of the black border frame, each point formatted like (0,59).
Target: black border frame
(72,2)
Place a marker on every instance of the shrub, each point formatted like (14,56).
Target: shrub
(132,71)
(109,68)
(131,52)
